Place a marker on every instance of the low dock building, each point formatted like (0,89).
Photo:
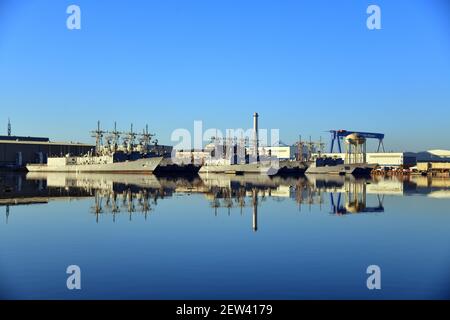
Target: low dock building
(17,151)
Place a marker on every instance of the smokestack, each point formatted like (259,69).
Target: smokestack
(255,134)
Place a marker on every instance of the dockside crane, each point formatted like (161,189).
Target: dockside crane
(338,135)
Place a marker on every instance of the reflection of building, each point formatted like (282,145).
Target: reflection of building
(434,187)
(128,194)
(15,190)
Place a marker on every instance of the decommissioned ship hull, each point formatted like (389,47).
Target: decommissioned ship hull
(145,165)
(168,167)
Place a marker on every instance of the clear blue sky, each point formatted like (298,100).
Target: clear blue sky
(305,66)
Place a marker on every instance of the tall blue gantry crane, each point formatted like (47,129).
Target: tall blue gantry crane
(338,135)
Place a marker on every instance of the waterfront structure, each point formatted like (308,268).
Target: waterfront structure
(382,159)
(17,151)
(199,156)
(338,135)
(434,162)
(353,162)
(280,152)
(443,167)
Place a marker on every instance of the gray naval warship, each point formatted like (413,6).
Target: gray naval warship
(111,156)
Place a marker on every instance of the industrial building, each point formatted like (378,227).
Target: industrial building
(280,152)
(436,162)
(16,151)
(382,159)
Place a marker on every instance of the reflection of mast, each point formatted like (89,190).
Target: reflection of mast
(115,207)
(144,202)
(98,205)
(228,199)
(299,195)
(241,199)
(7,213)
(320,199)
(130,201)
(215,204)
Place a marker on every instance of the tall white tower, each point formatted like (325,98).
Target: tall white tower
(255,136)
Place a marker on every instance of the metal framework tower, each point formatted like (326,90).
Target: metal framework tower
(98,135)
(131,139)
(9,128)
(146,138)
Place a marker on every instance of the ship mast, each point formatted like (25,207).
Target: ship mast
(9,127)
(146,139)
(98,135)
(115,137)
(131,138)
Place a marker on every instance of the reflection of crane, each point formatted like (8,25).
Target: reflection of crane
(338,135)
(353,206)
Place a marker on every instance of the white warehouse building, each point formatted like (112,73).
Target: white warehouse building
(383,159)
(281,152)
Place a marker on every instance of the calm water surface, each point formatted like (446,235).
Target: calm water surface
(252,237)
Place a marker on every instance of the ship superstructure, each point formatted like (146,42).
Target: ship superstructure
(237,156)
(114,152)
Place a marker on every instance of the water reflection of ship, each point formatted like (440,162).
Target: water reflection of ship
(113,193)
(127,194)
(238,187)
(229,191)
(114,202)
